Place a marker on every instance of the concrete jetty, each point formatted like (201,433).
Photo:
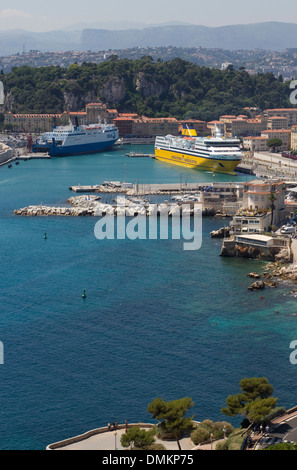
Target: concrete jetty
(133,189)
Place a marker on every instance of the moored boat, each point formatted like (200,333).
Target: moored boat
(217,153)
(77,140)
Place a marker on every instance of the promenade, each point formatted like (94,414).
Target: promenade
(103,439)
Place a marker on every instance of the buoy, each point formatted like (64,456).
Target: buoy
(84,294)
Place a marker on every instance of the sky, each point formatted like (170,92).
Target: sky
(36,15)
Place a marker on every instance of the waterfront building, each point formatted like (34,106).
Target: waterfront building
(124,124)
(35,122)
(254,216)
(283,134)
(136,126)
(255,144)
(242,126)
(98,112)
(78,118)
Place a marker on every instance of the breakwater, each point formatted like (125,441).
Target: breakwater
(82,206)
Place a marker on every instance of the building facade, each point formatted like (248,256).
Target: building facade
(255,144)
(256,214)
(283,134)
(36,123)
(289,113)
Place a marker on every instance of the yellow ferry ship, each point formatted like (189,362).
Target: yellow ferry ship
(217,154)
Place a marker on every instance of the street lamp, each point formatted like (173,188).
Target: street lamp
(115,440)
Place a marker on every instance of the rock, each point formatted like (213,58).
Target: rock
(284,256)
(254,275)
(258,285)
(223,232)
(208,212)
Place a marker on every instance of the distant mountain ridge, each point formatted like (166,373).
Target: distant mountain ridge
(270,36)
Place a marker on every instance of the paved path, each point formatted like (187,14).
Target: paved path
(108,441)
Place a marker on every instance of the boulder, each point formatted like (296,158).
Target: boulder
(258,285)
(254,275)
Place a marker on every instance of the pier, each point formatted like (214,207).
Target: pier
(140,155)
(133,189)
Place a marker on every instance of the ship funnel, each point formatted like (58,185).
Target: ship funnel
(190,132)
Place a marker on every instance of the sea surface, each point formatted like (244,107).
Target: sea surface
(158,321)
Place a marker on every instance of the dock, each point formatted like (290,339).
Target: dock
(141,155)
(34,156)
(143,189)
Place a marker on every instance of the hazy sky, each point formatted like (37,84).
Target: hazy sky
(38,15)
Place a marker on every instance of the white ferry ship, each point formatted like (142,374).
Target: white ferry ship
(217,154)
(77,140)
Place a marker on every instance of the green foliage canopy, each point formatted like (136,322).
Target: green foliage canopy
(178,88)
(255,400)
(171,415)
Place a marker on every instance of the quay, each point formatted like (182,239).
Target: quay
(132,189)
(141,155)
(33,156)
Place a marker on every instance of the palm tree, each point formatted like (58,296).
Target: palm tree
(272,198)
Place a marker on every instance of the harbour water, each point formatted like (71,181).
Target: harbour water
(157,320)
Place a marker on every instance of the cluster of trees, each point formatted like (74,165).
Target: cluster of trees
(254,402)
(179,88)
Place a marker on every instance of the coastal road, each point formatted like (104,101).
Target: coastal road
(283,429)
(286,431)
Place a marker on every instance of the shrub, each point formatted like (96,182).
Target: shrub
(206,428)
(234,441)
(200,435)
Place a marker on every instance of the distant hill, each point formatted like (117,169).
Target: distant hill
(270,36)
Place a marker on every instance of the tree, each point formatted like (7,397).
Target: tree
(274,143)
(138,438)
(272,199)
(254,402)
(171,416)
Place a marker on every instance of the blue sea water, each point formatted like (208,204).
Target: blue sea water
(157,320)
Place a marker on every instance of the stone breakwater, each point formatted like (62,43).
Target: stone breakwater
(92,206)
(33,211)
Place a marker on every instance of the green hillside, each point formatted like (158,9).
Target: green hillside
(156,89)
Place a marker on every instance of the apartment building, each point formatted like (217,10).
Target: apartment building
(277,122)
(283,134)
(294,137)
(289,113)
(255,144)
(98,112)
(243,126)
(36,123)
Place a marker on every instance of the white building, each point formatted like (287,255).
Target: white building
(255,214)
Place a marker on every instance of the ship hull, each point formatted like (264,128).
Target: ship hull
(71,150)
(196,162)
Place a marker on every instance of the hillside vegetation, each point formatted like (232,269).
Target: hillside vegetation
(157,89)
